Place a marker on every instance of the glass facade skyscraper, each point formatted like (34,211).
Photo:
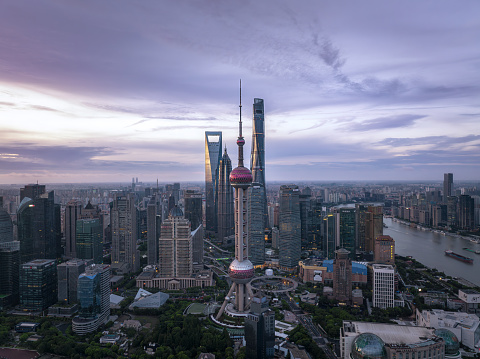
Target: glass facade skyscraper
(447,186)
(256,229)
(225,200)
(38,284)
(257,157)
(213,148)
(346,229)
(89,240)
(290,231)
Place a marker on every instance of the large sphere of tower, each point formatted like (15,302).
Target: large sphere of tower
(241,272)
(241,177)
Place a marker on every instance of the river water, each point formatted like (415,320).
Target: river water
(429,249)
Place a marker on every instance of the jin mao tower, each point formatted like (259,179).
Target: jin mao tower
(241,269)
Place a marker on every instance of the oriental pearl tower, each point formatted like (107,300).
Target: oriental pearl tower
(241,270)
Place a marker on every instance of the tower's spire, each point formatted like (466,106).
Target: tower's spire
(240,140)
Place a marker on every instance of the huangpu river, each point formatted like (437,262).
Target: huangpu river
(429,249)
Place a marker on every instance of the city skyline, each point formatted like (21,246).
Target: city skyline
(98,92)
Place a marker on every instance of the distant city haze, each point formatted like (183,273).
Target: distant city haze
(103,91)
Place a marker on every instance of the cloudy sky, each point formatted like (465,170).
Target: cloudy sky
(370,90)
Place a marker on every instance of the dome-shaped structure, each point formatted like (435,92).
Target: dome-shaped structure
(452,344)
(175,212)
(368,346)
(241,177)
(241,272)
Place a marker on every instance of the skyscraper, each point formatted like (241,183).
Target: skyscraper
(225,216)
(67,274)
(329,235)
(383,286)
(256,228)
(38,284)
(373,226)
(447,186)
(123,221)
(193,208)
(384,252)
(73,209)
(32,191)
(9,273)
(466,212)
(241,270)
(257,157)
(175,246)
(260,330)
(37,228)
(213,147)
(94,299)
(290,228)
(89,235)
(154,221)
(342,276)
(346,230)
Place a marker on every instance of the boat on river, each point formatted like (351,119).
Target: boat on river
(472,250)
(452,254)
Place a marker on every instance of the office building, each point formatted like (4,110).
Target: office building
(305,208)
(289,241)
(6,226)
(89,240)
(175,246)
(197,245)
(123,222)
(452,211)
(346,229)
(241,270)
(373,226)
(342,276)
(384,252)
(447,186)
(93,298)
(466,212)
(329,236)
(225,215)
(154,221)
(67,274)
(37,222)
(256,226)
(383,285)
(314,225)
(363,340)
(260,330)
(193,207)
(257,157)
(9,273)
(73,209)
(32,191)
(360,227)
(38,284)
(213,148)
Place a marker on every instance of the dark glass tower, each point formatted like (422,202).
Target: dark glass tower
(37,228)
(447,186)
(290,227)
(346,230)
(213,147)
(225,215)
(89,240)
(193,208)
(256,229)
(257,157)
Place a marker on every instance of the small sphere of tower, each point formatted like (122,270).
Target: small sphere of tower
(241,272)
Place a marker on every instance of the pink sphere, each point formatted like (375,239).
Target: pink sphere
(241,177)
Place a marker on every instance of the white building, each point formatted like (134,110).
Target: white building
(383,286)
(465,326)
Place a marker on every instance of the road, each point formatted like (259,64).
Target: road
(313,330)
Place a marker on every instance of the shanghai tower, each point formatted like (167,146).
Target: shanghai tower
(257,157)
(241,270)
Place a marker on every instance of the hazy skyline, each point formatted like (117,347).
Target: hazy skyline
(105,91)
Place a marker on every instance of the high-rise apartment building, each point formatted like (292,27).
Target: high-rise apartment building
(38,284)
(342,276)
(383,286)
(37,228)
(123,222)
(256,227)
(175,246)
(73,210)
(452,211)
(384,252)
(373,226)
(67,274)
(213,148)
(290,231)
(89,240)
(94,299)
(260,329)
(447,186)
(193,208)
(225,215)
(466,212)
(257,157)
